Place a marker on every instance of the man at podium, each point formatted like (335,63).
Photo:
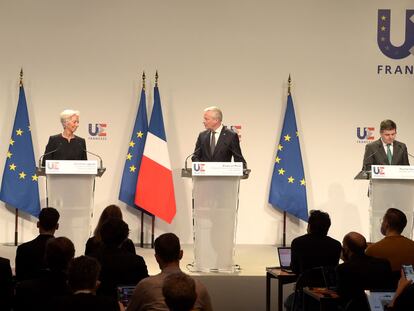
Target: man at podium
(217,143)
(386,150)
(66,146)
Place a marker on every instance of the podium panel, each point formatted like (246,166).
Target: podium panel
(73,197)
(390,193)
(215,205)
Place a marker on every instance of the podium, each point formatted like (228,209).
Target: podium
(70,187)
(215,200)
(391,186)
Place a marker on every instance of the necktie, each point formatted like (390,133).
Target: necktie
(212,142)
(389,154)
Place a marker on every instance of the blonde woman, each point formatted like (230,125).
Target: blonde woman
(66,145)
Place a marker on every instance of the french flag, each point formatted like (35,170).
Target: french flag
(155,188)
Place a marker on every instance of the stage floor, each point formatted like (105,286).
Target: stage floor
(244,290)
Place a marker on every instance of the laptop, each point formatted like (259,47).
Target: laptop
(285,257)
(379,300)
(125,293)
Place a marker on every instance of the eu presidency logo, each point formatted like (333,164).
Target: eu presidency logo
(97,131)
(383,35)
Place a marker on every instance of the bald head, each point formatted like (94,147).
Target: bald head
(354,243)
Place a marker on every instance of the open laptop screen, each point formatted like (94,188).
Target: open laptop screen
(285,257)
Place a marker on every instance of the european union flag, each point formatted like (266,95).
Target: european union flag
(134,156)
(19,187)
(288,187)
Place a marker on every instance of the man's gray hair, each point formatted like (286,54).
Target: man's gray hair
(216,111)
(66,114)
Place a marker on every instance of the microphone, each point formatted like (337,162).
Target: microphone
(368,157)
(47,153)
(94,154)
(236,153)
(186,159)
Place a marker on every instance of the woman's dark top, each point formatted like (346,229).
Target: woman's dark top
(59,148)
(94,248)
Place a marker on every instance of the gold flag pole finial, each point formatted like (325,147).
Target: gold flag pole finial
(143,80)
(156,78)
(289,84)
(21,77)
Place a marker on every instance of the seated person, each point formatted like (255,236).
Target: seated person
(83,280)
(360,272)
(94,244)
(403,299)
(6,284)
(148,293)
(118,266)
(394,247)
(179,292)
(30,255)
(35,294)
(316,248)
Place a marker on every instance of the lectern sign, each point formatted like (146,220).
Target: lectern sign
(217,169)
(71,167)
(392,172)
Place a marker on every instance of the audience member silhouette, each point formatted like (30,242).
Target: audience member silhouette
(404,296)
(315,249)
(360,272)
(148,293)
(118,266)
(83,276)
(30,256)
(179,292)
(6,284)
(36,294)
(94,244)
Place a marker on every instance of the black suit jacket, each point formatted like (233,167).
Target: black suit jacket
(227,146)
(6,284)
(73,150)
(311,250)
(375,154)
(363,272)
(30,258)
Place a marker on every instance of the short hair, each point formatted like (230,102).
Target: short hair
(179,292)
(217,114)
(319,222)
(59,252)
(48,218)
(395,219)
(66,114)
(167,247)
(83,273)
(114,232)
(355,242)
(388,125)
(111,211)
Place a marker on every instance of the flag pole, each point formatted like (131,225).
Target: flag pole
(16,211)
(284,212)
(142,212)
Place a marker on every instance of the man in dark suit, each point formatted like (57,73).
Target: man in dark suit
(360,272)
(36,294)
(217,143)
(316,248)
(30,256)
(386,150)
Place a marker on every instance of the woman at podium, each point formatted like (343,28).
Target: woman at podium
(66,146)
